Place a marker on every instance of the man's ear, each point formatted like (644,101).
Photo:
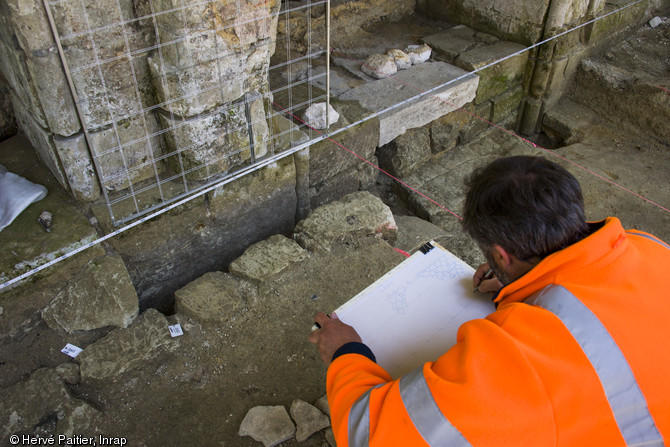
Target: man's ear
(502,257)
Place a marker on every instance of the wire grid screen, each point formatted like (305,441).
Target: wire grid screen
(176,95)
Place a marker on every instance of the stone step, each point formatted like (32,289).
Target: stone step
(629,85)
(453,89)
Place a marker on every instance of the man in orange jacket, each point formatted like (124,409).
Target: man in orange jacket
(576,353)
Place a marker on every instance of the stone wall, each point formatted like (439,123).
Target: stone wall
(148,79)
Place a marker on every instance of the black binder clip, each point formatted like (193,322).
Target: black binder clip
(425,248)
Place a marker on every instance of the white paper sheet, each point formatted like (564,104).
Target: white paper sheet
(411,314)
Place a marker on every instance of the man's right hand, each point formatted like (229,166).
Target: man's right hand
(486,285)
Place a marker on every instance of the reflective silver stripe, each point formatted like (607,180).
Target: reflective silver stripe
(429,421)
(649,236)
(359,421)
(623,393)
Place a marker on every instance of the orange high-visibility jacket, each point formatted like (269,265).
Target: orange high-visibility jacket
(576,354)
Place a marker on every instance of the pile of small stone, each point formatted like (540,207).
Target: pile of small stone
(272,425)
(381,66)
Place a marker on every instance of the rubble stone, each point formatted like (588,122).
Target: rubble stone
(102,294)
(270,425)
(308,419)
(379,66)
(418,54)
(315,115)
(126,349)
(267,258)
(401,59)
(214,297)
(403,155)
(358,214)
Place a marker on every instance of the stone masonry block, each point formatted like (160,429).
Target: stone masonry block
(267,258)
(499,77)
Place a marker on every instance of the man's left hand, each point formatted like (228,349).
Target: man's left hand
(332,335)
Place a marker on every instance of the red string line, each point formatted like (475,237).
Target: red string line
(525,139)
(370,163)
(664,89)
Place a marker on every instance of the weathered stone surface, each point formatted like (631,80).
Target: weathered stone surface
(78,167)
(7,118)
(453,88)
(125,349)
(413,232)
(270,425)
(379,66)
(330,438)
(218,140)
(69,372)
(308,419)
(128,151)
(358,214)
(506,104)
(40,139)
(448,44)
(322,404)
(418,54)
(518,21)
(267,258)
(328,160)
(27,404)
(214,297)
(315,115)
(445,131)
(497,78)
(406,153)
(401,59)
(285,134)
(101,295)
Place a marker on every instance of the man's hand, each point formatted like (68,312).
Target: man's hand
(332,335)
(491,285)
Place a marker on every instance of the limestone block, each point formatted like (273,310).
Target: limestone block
(518,21)
(401,59)
(315,115)
(270,425)
(17,76)
(207,30)
(126,151)
(126,349)
(78,167)
(267,258)
(54,94)
(499,77)
(506,104)
(100,14)
(41,140)
(448,44)
(379,66)
(197,88)
(445,131)
(356,215)
(308,419)
(28,403)
(100,295)
(453,88)
(413,232)
(214,297)
(333,188)
(418,54)
(111,91)
(213,143)
(285,134)
(328,160)
(30,25)
(406,153)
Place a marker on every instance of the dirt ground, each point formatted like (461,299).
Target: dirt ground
(199,393)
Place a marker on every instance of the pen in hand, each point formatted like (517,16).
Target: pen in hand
(487,275)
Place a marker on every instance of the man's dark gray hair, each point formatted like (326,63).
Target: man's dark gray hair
(529,206)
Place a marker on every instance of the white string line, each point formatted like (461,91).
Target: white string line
(278,157)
